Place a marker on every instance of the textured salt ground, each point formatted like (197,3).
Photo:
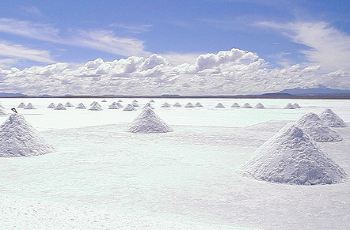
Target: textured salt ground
(195,184)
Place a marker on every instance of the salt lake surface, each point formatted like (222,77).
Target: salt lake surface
(102,177)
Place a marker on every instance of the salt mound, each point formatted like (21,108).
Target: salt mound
(198,105)
(2,106)
(94,102)
(29,106)
(177,104)
(2,112)
(151,101)
(259,106)
(18,138)
(96,107)
(331,119)
(149,122)
(220,105)
(247,105)
(148,105)
(119,105)
(104,100)
(60,106)
(80,106)
(129,107)
(292,157)
(120,100)
(166,105)
(21,105)
(189,105)
(68,104)
(313,125)
(235,105)
(51,106)
(289,106)
(114,105)
(135,104)
(134,101)
(296,105)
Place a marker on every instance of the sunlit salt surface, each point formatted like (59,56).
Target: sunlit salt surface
(101,176)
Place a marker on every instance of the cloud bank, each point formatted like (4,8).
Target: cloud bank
(224,73)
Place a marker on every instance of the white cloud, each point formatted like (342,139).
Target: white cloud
(327,46)
(102,40)
(226,72)
(16,51)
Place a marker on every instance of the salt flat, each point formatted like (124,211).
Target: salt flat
(102,177)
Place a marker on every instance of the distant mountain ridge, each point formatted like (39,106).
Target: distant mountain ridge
(312,93)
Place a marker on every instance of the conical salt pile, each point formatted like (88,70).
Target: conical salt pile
(296,105)
(292,157)
(51,106)
(29,106)
(189,105)
(314,126)
(2,112)
(60,106)
(177,104)
(129,107)
(151,101)
(331,119)
(166,105)
(18,138)
(220,106)
(134,101)
(96,107)
(119,105)
(259,106)
(289,106)
(80,106)
(235,105)
(199,105)
(104,100)
(114,105)
(148,105)
(68,104)
(135,104)
(247,106)
(94,102)
(21,105)
(149,122)
(120,100)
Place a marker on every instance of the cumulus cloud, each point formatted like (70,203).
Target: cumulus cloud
(327,46)
(226,72)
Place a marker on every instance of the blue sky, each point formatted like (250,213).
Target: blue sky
(282,33)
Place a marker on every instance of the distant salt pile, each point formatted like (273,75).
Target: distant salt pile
(51,106)
(104,100)
(94,102)
(296,105)
(119,105)
(135,103)
(189,105)
(331,119)
(80,106)
(292,157)
(149,122)
(2,112)
(165,105)
(95,107)
(235,105)
(129,107)
(247,106)
(21,105)
(68,104)
(151,101)
(29,106)
(18,138)
(120,100)
(114,105)
(220,106)
(289,106)
(148,105)
(60,106)
(198,105)
(177,104)
(314,126)
(259,106)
